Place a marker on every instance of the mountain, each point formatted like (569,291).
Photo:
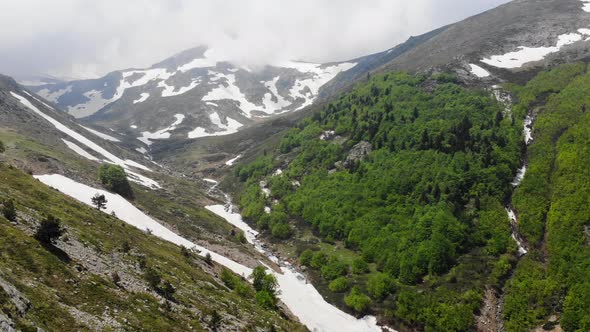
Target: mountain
(439,185)
(192,94)
(120,270)
(511,38)
(444,191)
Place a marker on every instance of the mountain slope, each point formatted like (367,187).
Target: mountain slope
(521,23)
(95,278)
(347,187)
(211,96)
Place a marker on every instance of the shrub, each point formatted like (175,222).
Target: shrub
(153,278)
(358,301)
(49,230)
(379,286)
(8,210)
(281,231)
(125,247)
(339,285)
(208,259)
(360,266)
(114,178)
(115,277)
(305,257)
(215,320)
(334,269)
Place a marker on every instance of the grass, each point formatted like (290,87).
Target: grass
(53,285)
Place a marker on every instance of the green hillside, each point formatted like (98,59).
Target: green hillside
(105,275)
(415,230)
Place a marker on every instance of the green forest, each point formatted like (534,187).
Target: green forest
(422,215)
(415,229)
(553,204)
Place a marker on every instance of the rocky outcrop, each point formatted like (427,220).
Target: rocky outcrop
(358,152)
(21,303)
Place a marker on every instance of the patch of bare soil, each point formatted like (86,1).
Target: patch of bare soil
(490,319)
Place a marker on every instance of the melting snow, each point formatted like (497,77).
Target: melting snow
(308,88)
(212,104)
(162,133)
(299,295)
(101,135)
(525,54)
(138,178)
(232,92)
(143,97)
(231,127)
(141,150)
(271,106)
(478,71)
(132,215)
(586,6)
(54,96)
(37,99)
(232,161)
(170,91)
(79,150)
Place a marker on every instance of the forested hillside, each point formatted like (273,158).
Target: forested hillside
(394,196)
(553,205)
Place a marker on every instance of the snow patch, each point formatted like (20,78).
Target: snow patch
(525,54)
(231,127)
(54,96)
(296,292)
(231,92)
(79,150)
(271,106)
(170,91)
(138,178)
(308,89)
(143,97)
(232,161)
(141,150)
(162,133)
(478,71)
(101,135)
(133,216)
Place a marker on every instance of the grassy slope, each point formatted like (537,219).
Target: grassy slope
(179,203)
(53,285)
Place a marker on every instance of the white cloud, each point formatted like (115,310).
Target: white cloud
(91,38)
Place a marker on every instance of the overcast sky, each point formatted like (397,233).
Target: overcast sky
(89,38)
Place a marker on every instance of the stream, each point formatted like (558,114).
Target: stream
(528,138)
(295,291)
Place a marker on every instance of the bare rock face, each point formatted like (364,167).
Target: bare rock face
(6,324)
(21,303)
(358,152)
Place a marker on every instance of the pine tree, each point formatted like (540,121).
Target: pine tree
(49,230)
(100,201)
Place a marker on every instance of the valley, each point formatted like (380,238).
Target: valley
(438,185)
